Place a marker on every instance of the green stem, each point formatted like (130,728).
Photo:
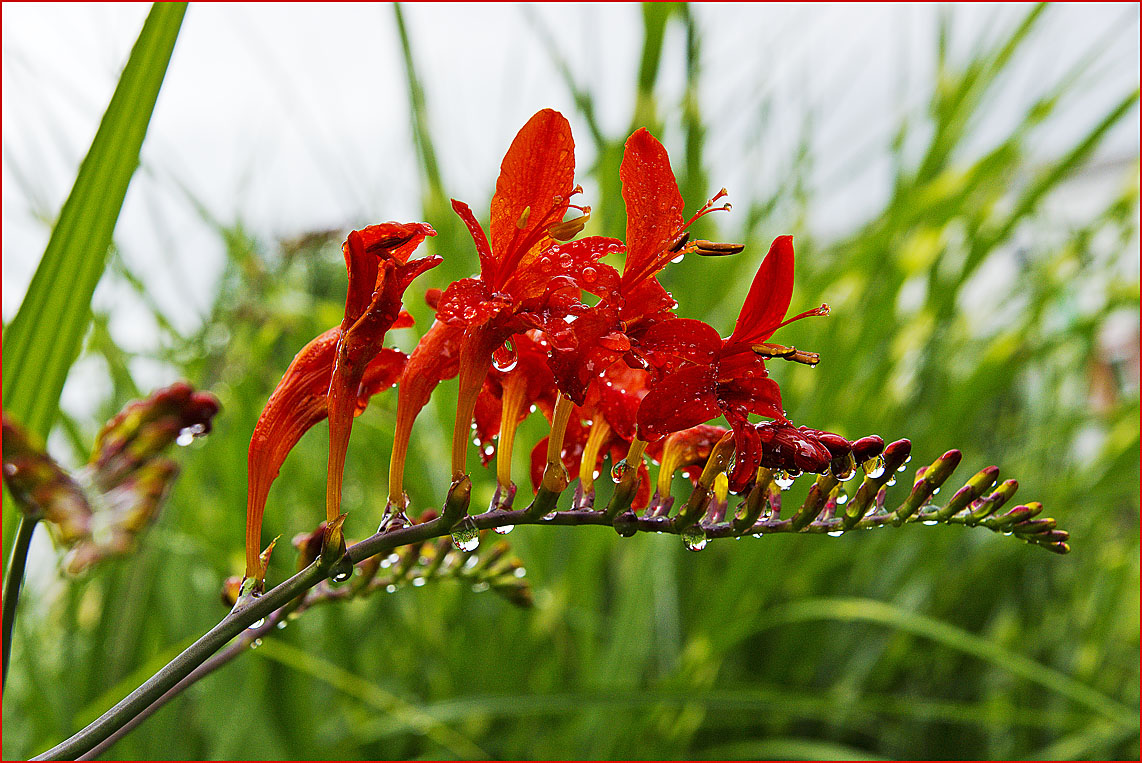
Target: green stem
(190,664)
(14,581)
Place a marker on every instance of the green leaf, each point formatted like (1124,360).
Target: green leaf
(47,331)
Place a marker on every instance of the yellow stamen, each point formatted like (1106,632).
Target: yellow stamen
(522,222)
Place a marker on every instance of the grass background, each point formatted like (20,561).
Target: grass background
(982,307)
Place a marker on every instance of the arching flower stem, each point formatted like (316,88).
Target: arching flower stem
(554,474)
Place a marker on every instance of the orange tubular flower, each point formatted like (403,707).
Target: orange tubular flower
(335,375)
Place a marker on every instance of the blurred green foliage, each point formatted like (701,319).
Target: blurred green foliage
(965,314)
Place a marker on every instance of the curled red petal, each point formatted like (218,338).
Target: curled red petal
(769,296)
(653,204)
(365,249)
(683,399)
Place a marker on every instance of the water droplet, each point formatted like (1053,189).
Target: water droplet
(549,516)
(282,625)
(392,558)
(505,358)
(936,491)
(842,499)
(532,408)
(590,274)
(471,562)
(418,581)
(891,481)
(694,537)
(505,529)
(257,624)
(340,576)
(481,586)
(678,259)
(255,643)
(908,460)
(929,522)
(390,588)
(782,479)
(759,535)
(466,538)
(835,533)
(520,572)
(874,467)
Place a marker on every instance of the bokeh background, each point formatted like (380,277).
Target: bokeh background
(962,183)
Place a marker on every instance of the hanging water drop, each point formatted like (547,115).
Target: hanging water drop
(504,530)
(340,576)
(520,572)
(619,470)
(255,643)
(842,499)
(782,479)
(891,481)
(390,588)
(466,538)
(835,533)
(929,522)
(505,358)
(758,535)
(694,538)
(549,516)
(282,625)
(874,467)
(257,624)
(185,437)
(418,581)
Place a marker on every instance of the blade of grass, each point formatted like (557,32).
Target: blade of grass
(372,695)
(47,331)
(880,613)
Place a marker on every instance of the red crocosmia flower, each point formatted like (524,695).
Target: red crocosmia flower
(703,376)
(586,341)
(522,263)
(334,375)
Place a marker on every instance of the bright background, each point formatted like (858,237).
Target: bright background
(964,195)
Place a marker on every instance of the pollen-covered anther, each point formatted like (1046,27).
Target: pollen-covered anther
(792,354)
(521,223)
(569,229)
(705,248)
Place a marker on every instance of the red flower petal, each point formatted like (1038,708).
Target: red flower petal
(468,302)
(654,205)
(382,373)
(483,249)
(769,295)
(681,400)
(577,261)
(539,167)
(669,344)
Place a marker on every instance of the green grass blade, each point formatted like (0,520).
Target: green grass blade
(47,331)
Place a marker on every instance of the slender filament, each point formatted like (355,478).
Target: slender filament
(600,429)
(515,387)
